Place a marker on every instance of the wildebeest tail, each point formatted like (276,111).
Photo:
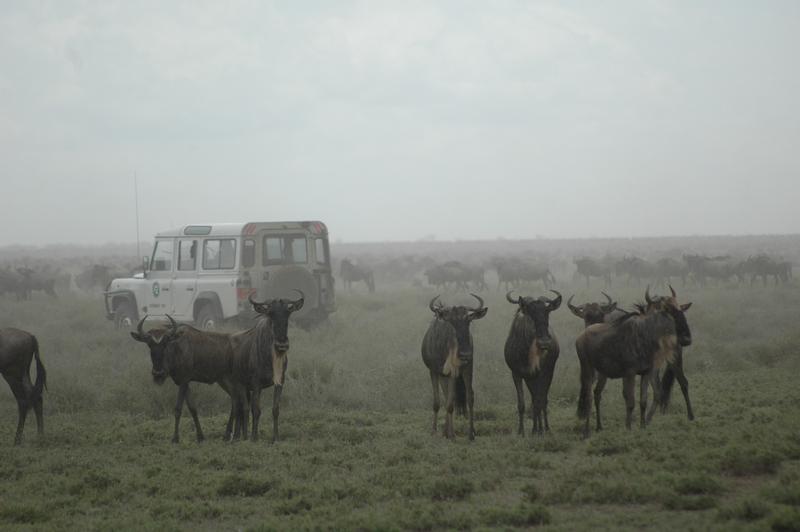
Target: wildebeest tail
(41,374)
(461,397)
(667,381)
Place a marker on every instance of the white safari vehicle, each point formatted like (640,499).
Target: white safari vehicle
(204,273)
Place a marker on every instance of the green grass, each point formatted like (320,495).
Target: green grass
(356,449)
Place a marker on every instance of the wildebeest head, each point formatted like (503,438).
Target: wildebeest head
(592,313)
(278,312)
(460,317)
(538,309)
(157,340)
(670,305)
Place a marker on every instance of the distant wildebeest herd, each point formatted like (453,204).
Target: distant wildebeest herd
(517,273)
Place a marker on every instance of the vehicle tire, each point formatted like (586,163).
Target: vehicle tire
(125,316)
(208,318)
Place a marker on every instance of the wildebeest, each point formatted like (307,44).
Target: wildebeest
(765,266)
(635,268)
(531,352)
(637,343)
(17,349)
(14,283)
(588,268)
(667,268)
(33,280)
(261,355)
(674,369)
(447,351)
(514,272)
(353,273)
(188,355)
(721,268)
(592,313)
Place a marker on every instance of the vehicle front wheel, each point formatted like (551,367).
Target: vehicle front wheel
(208,318)
(125,316)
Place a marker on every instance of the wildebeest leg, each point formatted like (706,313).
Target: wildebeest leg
(628,391)
(232,415)
(436,403)
(276,410)
(450,399)
(466,374)
(644,384)
(193,411)
(684,389)
(255,408)
(22,405)
(598,394)
(520,402)
(182,389)
(536,405)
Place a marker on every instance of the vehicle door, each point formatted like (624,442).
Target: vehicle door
(162,265)
(184,279)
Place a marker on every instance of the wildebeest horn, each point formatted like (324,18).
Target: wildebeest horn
(555,303)
(672,290)
(139,327)
(607,297)
(302,295)
(254,302)
(480,301)
(430,305)
(647,295)
(172,324)
(575,310)
(508,298)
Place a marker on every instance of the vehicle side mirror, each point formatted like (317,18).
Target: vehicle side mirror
(145,264)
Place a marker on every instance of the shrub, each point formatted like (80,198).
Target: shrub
(451,490)
(234,486)
(742,462)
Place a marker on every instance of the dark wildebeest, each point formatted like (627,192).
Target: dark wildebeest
(721,267)
(765,266)
(588,267)
(448,353)
(592,313)
(262,355)
(674,368)
(635,268)
(531,352)
(667,268)
(190,355)
(352,273)
(17,350)
(637,343)
(33,280)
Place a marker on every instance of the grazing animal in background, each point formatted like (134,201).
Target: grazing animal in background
(592,313)
(667,268)
(261,355)
(188,355)
(447,351)
(531,352)
(674,369)
(637,343)
(588,267)
(352,273)
(17,349)
(635,268)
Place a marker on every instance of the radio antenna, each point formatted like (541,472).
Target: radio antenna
(136,200)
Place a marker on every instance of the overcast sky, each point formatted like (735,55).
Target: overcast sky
(399,120)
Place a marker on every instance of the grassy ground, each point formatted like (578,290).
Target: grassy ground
(356,450)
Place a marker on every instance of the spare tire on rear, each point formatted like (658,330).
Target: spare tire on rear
(284,282)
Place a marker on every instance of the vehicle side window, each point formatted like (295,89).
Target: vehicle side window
(248,253)
(162,256)
(219,254)
(288,249)
(321,251)
(273,250)
(299,252)
(187,255)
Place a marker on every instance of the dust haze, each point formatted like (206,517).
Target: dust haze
(450,120)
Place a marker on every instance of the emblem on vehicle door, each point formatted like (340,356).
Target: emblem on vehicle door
(156,289)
